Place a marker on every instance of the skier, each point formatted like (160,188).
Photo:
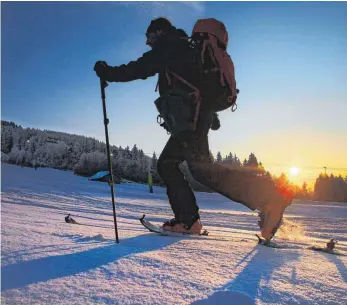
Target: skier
(150,181)
(172,58)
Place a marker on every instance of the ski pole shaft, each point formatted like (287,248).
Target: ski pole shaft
(103,85)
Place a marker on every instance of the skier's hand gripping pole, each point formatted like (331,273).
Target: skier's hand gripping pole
(103,85)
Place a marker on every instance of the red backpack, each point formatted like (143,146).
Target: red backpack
(210,38)
(209,41)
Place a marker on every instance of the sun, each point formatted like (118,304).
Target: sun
(294,171)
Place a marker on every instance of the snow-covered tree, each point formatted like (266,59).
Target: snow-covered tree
(6,139)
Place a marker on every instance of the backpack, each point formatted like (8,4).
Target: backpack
(208,43)
(210,40)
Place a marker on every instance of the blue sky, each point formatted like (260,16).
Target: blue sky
(290,60)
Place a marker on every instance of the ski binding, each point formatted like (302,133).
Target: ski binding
(157,229)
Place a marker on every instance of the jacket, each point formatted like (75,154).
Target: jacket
(171,52)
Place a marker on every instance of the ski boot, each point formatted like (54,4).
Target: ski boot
(175,225)
(271,215)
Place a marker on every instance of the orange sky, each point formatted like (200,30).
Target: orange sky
(308,150)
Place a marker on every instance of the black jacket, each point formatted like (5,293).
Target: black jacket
(171,52)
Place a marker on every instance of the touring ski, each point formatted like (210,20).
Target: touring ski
(330,247)
(157,229)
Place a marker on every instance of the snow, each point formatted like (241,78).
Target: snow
(47,261)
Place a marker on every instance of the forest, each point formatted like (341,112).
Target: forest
(86,156)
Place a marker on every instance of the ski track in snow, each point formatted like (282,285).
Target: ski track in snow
(47,261)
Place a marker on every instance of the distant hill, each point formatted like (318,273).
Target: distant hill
(83,155)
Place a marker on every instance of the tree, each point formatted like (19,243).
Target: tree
(154,166)
(252,160)
(213,160)
(304,193)
(154,162)
(6,139)
(330,188)
(237,161)
(219,158)
(91,163)
(230,159)
(127,153)
(282,180)
(261,168)
(134,152)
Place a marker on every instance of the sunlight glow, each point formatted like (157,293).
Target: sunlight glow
(294,171)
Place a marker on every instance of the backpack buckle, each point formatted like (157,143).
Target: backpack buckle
(232,101)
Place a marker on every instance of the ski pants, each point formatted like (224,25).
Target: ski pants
(239,185)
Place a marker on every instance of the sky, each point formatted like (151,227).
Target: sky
(290,64)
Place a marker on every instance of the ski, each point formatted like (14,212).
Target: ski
(157,229)
(267,243)
(330,248)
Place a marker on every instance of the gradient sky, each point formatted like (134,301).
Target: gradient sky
(290,60)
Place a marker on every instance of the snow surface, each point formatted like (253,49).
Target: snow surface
(47,261)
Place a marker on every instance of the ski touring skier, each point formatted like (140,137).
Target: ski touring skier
(196,80)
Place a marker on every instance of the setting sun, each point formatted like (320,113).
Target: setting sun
(294,171)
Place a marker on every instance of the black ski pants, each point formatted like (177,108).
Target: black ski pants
(241,185)
(237,184)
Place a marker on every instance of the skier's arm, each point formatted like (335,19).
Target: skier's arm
(147,65)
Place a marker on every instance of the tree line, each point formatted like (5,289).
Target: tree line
(86,156)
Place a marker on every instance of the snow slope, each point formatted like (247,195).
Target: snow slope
(47,261)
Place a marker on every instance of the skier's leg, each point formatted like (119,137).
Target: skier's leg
(245,187)
(251,189)
(254,190)
(179,191)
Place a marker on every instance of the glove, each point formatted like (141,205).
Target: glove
(101,69)
(215,122)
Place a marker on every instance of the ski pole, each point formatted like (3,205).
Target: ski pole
(103,85)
